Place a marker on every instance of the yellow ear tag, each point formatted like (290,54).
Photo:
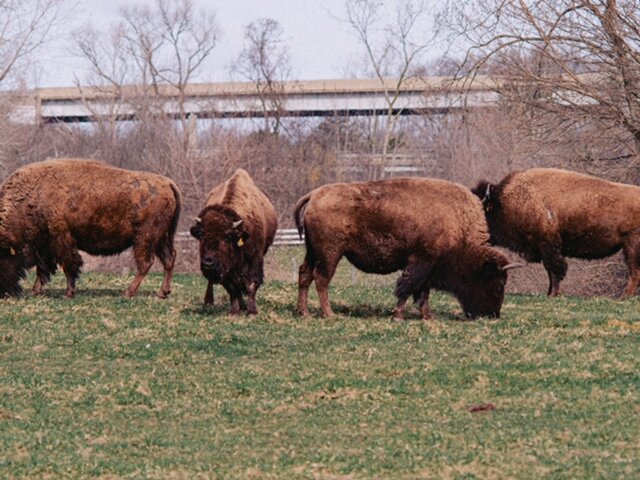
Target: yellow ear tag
(240,242)
(12,251)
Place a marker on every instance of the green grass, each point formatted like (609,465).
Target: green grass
(102,386)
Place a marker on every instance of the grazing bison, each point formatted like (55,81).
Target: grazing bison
(52,209)
(546,214)
(235,229)
(433,230)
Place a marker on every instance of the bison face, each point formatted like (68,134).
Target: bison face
(12,270)
(483,292)
(222,237)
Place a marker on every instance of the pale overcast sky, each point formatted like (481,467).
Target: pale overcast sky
(320,45)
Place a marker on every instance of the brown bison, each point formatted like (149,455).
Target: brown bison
(546,214)
(433,230)
(235,228)
(52,209)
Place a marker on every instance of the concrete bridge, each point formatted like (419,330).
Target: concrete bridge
(312,98)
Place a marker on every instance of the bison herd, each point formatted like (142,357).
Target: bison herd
(441,235)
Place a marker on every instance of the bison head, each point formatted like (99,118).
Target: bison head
(482,292)
(489,194)
(12,270)
(222,237)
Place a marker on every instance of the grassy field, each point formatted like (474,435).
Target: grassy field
(102,386)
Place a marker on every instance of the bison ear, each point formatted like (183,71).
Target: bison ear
(490,269)
(197,231)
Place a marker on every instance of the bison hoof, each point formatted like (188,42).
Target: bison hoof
(397,319)
(70,294)
(162,294)
(128,294)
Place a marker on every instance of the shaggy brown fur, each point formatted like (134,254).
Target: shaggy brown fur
(235,229)
(52,209)
(431,229)
(547,214)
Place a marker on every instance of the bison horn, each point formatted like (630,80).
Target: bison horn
(511,266)
(487,194)
(237,224)
(197,219)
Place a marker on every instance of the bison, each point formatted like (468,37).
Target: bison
(546,214)
(50,210)
(432,230)
(235,229)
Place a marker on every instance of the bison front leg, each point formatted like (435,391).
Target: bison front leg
(42,278)
(423,303)
(208,294)
(556,267)
(66,253)
(252,289)
(235,298)
(412,282)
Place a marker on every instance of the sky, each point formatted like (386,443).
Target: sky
(321,46)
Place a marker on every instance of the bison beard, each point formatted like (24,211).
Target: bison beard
(434,231)
(51,210)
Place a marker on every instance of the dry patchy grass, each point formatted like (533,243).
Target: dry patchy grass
(107,387)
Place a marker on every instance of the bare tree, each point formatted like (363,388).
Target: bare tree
(394,50)
(25,26)
(264,61)
(152,48)
(575,64)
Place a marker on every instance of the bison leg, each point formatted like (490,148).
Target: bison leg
(45,266)
(556,267)
(66,253)
(235,301)
(167,255)
(423,303)
(305,277)
(208,294)
(252,289)
(322,275)
(411,282)
(632,259)
(42,278)
(144,260)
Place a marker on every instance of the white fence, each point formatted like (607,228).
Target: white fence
(287,237)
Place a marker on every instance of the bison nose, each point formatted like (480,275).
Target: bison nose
(210,264)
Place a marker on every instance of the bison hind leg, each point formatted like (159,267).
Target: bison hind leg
(167,255)
(65,252)
(142,253)
(632,259)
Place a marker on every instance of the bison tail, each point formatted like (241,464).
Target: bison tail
(176,215)
(298,213)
